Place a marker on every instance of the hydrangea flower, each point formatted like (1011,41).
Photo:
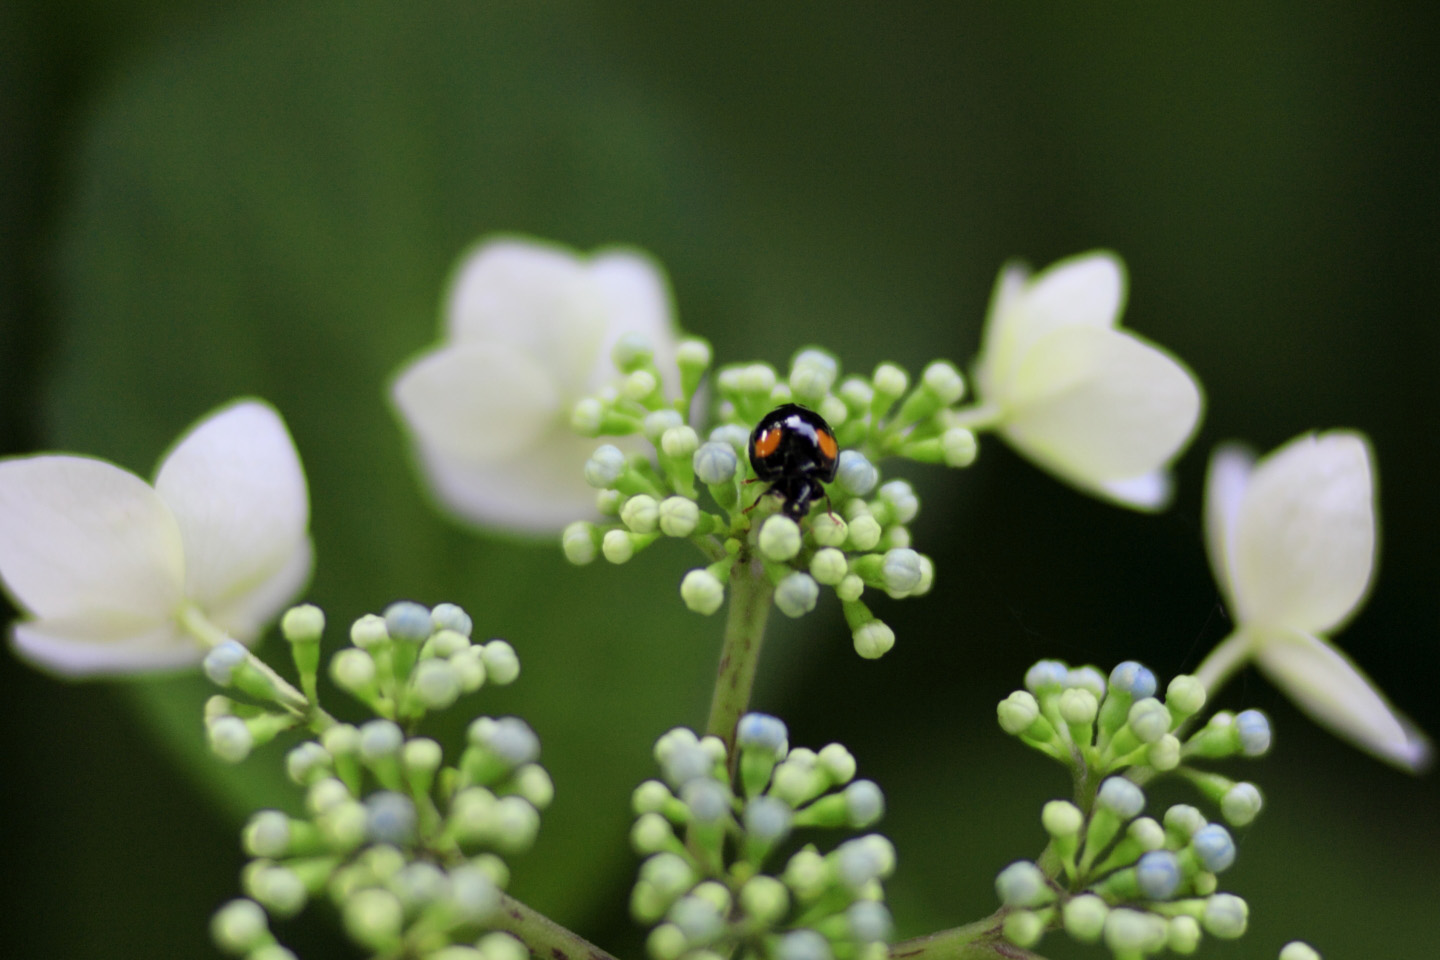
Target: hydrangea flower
(528,330)
(103,564)
(1098,407)
(1292,543)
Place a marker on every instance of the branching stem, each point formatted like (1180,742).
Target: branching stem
(750,592)
(981,940)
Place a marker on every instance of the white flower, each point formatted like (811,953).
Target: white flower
(528,330)
(1292,543)
(1101,408)
(103,563)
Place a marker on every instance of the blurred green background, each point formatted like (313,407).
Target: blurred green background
(208,200)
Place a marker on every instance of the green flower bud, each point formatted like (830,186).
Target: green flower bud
(421,756)
(639,386)
(765,898)
(873,639)
(756,379)
(1023,884)
(267,834)
(239,927)
(618,546)
(1084,917)
(901,571)
(1226,916)
(1184,820)
(450,616)
(502,666)
(651,834)
(944,381)
(277,887)
(1017,712)
(666,942)
(605,466)
(829,530)
(829,566)
(1078,707)
(1183,934)
(855,474)
(1241,804)
(889,382)
(1134,932)
(679,442)
(1164,754)
(641,513)
(958,447)
(368,631)
(857,394)
(834,411)
(587,417)
(374,918)
(693,357)
(803,944)
(850,588)
(780,538)
(1298,950)
(1149,720)
(607,502)
(446,643)
(307,762)
(812,374)
(230,739)
(796,594)
(498,945)
(702,591)
(353,670)
(1185,696)
(865,533)
(534,784)
(715,463)
(678,516)
(902,500)
(436,684)
(303,624)
(1061,818)
(631,352)
(1024,927)
(837,762)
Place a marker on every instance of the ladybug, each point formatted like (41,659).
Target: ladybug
(795,450)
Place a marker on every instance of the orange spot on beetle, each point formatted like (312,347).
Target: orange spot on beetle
(768,442)
(827,445)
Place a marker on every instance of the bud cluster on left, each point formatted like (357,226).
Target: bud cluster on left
(408,847)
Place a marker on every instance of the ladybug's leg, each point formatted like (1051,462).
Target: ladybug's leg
(757,499)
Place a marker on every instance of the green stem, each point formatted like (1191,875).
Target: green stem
(981,940)
(544,936)
(750,592)
(982,416)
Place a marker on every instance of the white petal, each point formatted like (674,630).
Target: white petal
(539,493)
(87,544)
(539,299)
(478,401)
(235,485)
(1323,682)
(638,301)
(1225,484)
(66,651)
(1304,541)
(1086,290)
(1097,405)
(244,618)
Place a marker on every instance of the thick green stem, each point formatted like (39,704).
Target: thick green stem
(544,936)
(750,592)
(981,940)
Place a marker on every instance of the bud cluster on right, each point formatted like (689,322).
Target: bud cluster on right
(714,822)
(1138,884)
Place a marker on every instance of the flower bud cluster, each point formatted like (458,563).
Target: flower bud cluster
(1101,726)
(858,539)
(409,848)
(707,836)
(1138,885)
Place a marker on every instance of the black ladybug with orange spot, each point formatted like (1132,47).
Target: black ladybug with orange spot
(795,450)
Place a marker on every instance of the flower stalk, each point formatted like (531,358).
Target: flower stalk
(750,593)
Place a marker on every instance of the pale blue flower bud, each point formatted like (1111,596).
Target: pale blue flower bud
(857,394)
(685,763)
(678,516)
(1122,797)
(230,739)
(658,421)
(1133,932)
(869,922)
(803,945)
(873,639)
(760,731)
(605,466)
(1157,873)
(419,883)
(502,666)
(1214,847)
(796,594)
(1061,818)
(407,620)
(734,435)
(222,661)
(373,917)
(1185,695)
(450,616)
(702,591)
(756,379)
(901,497)
(812,374)
(239,927)
(889,380)
(509,738)
(1149,720)
(780,538)
(829,566)
(390,817)
(767,819)
(715,463)
(1298,950)
(641,513)
(368,631)
(379,738)
(1046,675)
(306,762)
(855,474)
(1023,884)
(865,532)
(1241,804)
(1017,712)
(668,873)
(436,683)
(707,799)
(1134,679)
(697,918)
(267,835)
(959,447)
(1084,917)
(303,624)
(516,824)
(1078,706)
(1253,730)
(1184,820)
(1226,916)
(901,571)
(679,442)
(1086,678)
(864,803)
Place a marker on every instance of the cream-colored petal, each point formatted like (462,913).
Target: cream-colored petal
(638,301)
(539,493)
(1149,491)
(997,351)
(75,650)
(1327,685)
(250,612)
(1225,483)
(1096,405)
(237,489)
(1087,290)
(85,542)
(537,298)
(1304,540)
(478,401)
